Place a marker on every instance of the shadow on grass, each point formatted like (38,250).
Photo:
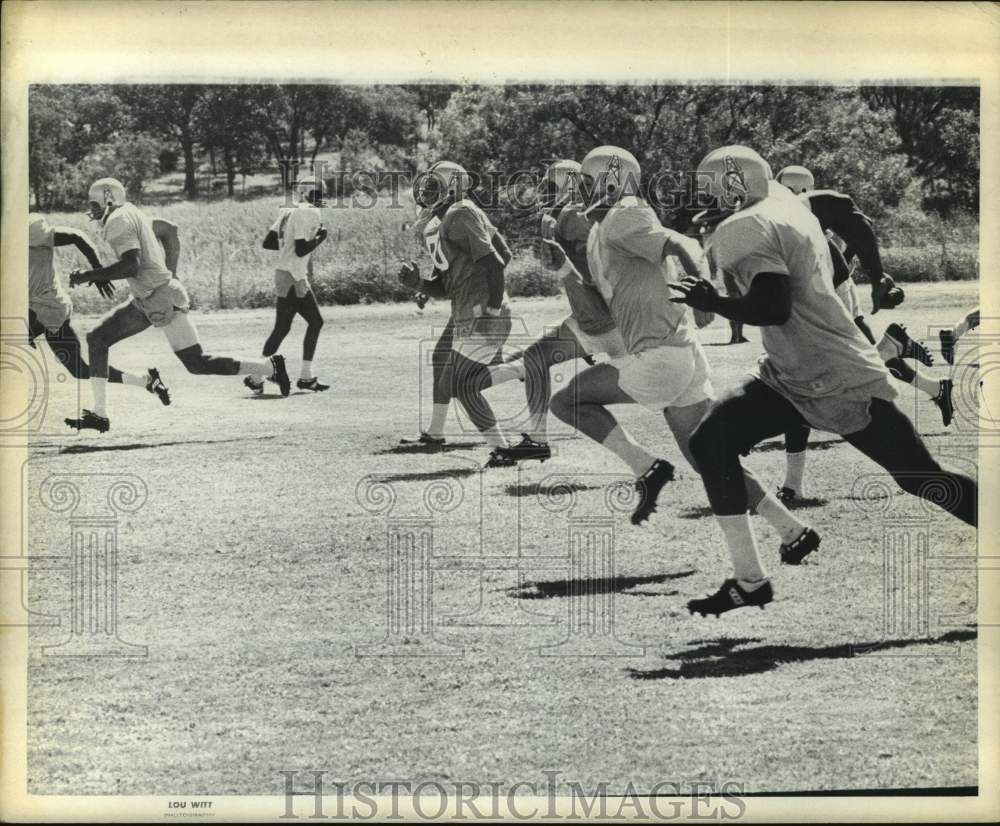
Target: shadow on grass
(145,446)
(779,444)
(423,450)
(796,504)
(538,488)
(429,475)
(718,658)
(575,587)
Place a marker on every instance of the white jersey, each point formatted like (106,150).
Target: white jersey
(297,224)
(818,359)
(128,228)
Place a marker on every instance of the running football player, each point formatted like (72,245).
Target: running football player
(468,270)
(49,307)
(294,236)
(818,368)
(949,338)
(158,300)
(589,329)
(630,256)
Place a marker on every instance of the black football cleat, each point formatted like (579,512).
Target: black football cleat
(943,401)
(786,495)
(947,338)
(280,375)
(799,548)
(908,348)
(255,387)
(90,421)
(311,384)
(731,596)
(155,385)
(425,442)
(648,486)
(527,448)
(500,457)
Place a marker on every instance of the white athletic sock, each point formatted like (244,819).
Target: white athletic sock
(742,547)
(494,437)
(256,369)
(501,373)
(780,518)
(795,468)
(132,380)
(538,432)
(960,329)
(307,370)
(439,417)
(621,444)
(100,387)
(888,348)
(932,387)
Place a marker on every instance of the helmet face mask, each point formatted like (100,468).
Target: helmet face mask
(444,183)
(607,175)
(733,177)
(560,185)
(310,189)
(796,178)
(104,196)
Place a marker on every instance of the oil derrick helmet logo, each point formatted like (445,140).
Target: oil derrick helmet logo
(734,185)
(613,177)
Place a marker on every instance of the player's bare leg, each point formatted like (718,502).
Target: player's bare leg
(121,323)
(433,439)
(183,338)
(582,405)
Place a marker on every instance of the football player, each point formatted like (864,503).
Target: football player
(49,308)
(588,330)
(158,299)
(818,368)
(949,338)
(469,271)
(630,256)
(294,236)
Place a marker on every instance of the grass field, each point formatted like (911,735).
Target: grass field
(257,579)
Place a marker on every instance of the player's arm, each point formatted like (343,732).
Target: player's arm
(166,233)
(767,303)
(64,236)
(839,213)
(502,248)
(841,271)
(409,276)
(303,247)
(126,267)
(271,240)
(862,325)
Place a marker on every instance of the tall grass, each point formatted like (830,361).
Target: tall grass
(223,264)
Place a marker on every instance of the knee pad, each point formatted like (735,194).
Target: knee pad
(193,359)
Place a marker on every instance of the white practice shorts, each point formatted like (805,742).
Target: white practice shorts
(665,376)
(609,343)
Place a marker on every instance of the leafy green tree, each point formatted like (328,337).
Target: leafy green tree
(227,121)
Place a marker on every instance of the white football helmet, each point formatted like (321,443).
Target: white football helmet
(796,178)
(310,189)
(560,184)
(734,178)
(106,193)
(608,174)
(444,181)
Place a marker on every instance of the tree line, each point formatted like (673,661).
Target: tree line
(875,142)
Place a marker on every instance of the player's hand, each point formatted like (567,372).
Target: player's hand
(105,288)
(321,234)
(547,228)
(409,275)
(421,299)
(77,277)
(876,296)
(697,293)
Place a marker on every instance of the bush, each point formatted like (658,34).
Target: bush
(958,263)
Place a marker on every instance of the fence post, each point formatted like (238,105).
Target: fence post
(222,271)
